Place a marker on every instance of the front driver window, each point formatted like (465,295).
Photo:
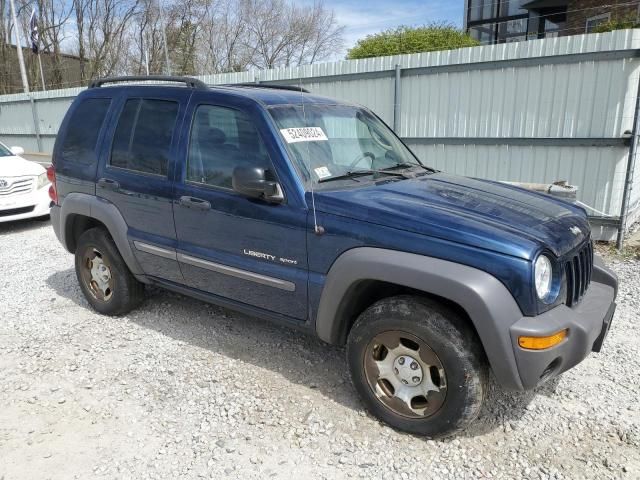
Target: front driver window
(221,140)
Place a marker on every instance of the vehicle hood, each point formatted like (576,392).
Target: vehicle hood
(18,167)
(479,213)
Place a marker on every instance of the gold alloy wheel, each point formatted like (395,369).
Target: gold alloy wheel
(96,275)
(405,374)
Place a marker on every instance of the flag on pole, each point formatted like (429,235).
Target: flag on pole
(35,37)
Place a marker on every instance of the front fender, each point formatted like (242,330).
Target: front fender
(484,298)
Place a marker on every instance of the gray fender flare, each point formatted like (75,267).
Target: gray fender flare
(106,213)
(487,302)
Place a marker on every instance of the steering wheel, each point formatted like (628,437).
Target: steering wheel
(361,157)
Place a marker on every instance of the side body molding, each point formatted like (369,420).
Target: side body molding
(103,211)
(485,299)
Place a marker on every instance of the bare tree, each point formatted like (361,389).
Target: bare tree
(286,34)
(183,30)
(146,40)
(80,9)
(203,36)
(322,37)
(268,32)
(55,15)
(223,36)
(5,49)
(107,41)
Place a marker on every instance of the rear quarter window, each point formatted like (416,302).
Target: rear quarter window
(83,129)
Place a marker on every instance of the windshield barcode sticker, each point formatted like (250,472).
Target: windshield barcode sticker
(303,134)
(322,172)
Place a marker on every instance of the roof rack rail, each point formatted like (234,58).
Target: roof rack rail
(275,86)
(188,81)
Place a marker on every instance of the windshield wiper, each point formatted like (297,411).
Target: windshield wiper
(409,165)
(360,173)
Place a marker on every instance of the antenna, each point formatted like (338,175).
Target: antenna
(318,230)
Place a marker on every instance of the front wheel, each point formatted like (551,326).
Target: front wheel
(417,366)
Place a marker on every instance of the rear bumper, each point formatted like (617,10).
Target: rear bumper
(55,222)
(587,323)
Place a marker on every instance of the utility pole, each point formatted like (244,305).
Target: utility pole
(44,86)
(164,39)
(23,70)
(146,61)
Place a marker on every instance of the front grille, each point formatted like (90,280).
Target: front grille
(16,211)
(20,185)
(578,271)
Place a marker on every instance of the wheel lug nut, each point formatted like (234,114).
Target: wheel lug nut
(414,366)
(401,360)
(415,379)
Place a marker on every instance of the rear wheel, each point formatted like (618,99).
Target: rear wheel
(104,278)
(417,366)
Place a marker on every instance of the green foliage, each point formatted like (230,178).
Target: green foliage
(182,47)
(630,21)
(403,39)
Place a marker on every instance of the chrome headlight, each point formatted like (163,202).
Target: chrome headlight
(543,274)
(42,180)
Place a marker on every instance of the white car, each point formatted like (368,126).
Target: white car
(24,186)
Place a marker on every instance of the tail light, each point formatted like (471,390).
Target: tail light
(51,175)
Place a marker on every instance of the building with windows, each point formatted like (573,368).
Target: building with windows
(502,21)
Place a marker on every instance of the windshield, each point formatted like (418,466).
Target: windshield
(333,141)
(4,151)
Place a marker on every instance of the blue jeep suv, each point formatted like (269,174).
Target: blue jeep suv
(311,212)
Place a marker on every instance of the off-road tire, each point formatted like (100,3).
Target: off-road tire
(446,334)
(126,292)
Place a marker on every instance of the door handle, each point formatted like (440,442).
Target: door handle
(108,184)
(193,202)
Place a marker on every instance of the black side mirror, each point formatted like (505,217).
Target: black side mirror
(252,182)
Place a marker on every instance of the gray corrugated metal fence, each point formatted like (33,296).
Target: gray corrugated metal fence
(536,111)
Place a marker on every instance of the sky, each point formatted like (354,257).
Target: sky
(363,17)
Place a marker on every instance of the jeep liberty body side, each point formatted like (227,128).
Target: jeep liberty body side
(310,212)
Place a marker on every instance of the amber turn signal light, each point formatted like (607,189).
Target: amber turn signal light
(542,343)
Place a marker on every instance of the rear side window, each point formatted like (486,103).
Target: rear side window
(83,128)
(142,141)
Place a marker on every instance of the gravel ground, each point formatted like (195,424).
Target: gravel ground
(182,389)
